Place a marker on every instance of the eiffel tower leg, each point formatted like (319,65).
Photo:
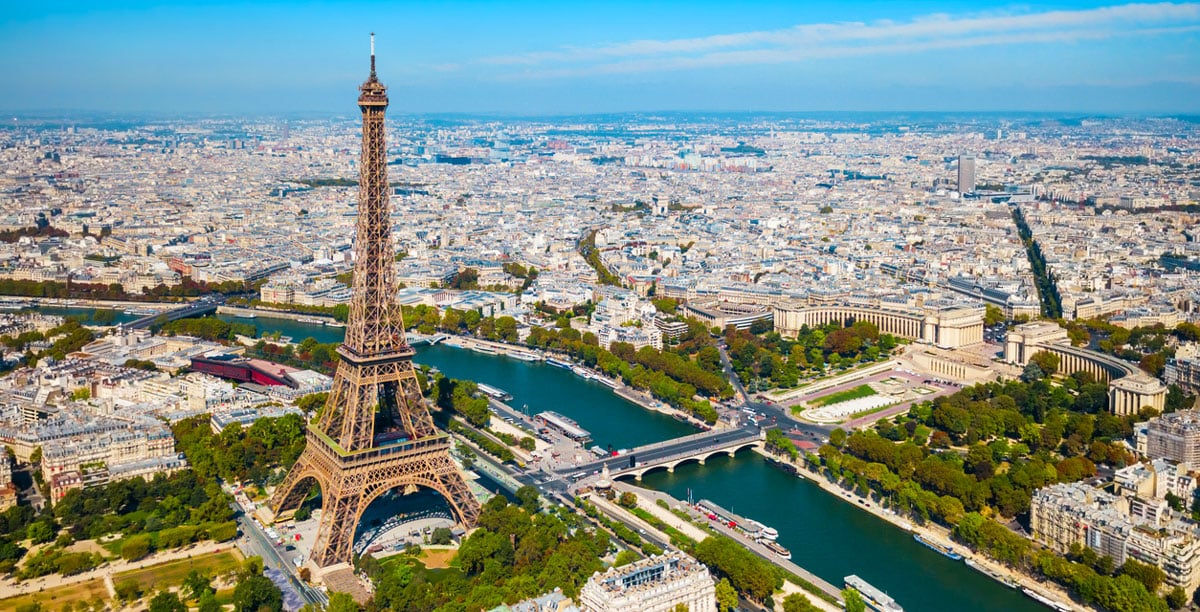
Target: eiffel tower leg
(339,521)
(454,488)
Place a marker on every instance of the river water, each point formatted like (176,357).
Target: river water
(826,535)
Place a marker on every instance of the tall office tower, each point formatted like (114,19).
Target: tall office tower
(966,173)
(375,432)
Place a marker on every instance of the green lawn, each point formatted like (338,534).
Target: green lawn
(845,396)
(172,573)
(55,599)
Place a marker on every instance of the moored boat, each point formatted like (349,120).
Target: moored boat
(494,392)
(938,548)
(557,363)
(877,599)
(1046,601)
(776,548)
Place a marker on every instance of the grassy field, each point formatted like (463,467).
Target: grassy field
(55,599)
(172,573)
(436,558)
(845,396)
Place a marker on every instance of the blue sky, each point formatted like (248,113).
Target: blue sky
(576,57)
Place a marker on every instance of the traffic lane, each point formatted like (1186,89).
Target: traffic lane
(260,543)
(645,535)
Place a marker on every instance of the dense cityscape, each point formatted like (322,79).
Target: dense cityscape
(635,361)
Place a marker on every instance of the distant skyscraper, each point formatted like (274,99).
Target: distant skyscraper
(966,173)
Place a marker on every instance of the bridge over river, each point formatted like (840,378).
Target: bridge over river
(668,454)
(195,309)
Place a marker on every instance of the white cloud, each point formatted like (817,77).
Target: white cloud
(844,39)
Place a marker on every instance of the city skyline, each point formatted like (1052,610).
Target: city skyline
(532,58)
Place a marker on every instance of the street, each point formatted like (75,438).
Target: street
(254,542)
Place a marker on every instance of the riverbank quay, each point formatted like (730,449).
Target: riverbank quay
(271,313)
(647,500)
(107,304)
(694,531)
(934,533)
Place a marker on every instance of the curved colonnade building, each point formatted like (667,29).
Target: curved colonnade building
(1129,389)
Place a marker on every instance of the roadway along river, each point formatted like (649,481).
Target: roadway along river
(826,535)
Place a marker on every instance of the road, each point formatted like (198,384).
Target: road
(770,412)
(254,542)
(620,517)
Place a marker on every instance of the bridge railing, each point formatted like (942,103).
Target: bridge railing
(693,437)
(728,438)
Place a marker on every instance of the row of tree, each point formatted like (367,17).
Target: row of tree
(208,328)
(759,353)
(236,454)
(514,555)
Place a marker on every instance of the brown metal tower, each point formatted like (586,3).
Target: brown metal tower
(375,432)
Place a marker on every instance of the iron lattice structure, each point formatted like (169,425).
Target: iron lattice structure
(375,432)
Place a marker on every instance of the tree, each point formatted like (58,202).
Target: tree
(837,437)
(798,603)
(303,513)
(40,532)
(854,600)
(1177,598)
(529,498)
(441,536)
(1032,373)
(628,500)
(208,603)
(341,602)
(136,547)
(992,315)
(1149,575)
(128,589)
(727,598)
(1047,361)
(167,602)
(625,557)
(257,593)
(195,585)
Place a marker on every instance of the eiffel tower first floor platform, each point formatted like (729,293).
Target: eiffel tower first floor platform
(351,480)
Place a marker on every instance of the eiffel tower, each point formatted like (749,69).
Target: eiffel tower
(374,433)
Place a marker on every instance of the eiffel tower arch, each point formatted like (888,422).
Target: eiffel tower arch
(375,432)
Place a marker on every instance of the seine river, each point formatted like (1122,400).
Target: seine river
(826,535)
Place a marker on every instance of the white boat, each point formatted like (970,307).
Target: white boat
(608,382)
(524,356)
(482,348)
(494,392)
(768,533)
(582,372)
(558,363)
(1046,601)
(776,548)
(250,315)
(310,321)
(877,599)
(334,324)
